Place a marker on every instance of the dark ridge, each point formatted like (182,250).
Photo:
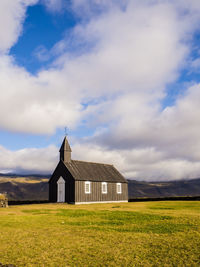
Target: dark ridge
(164,189)
(15,175)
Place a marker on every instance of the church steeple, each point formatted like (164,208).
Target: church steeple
(65,151)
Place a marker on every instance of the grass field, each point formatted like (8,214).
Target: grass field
(128,234)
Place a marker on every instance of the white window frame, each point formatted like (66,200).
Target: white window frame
(102,188)
(89,184)
(119,186)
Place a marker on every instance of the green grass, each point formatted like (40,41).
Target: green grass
(125,234)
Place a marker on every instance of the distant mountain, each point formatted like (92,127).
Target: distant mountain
(35,187)
(24,187)
(25,191)
(164,189)
(15,175)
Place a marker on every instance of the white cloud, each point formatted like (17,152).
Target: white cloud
(128,47)
(35,104)
(41,53)
(12,15)
(129,53)
(29,160)
(54,5)
(116,65)
(140,163)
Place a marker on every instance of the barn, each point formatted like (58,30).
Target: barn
(81,182)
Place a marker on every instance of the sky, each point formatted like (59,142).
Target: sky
(122,75)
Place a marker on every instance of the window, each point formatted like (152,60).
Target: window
(104,188)
(119,188)
(87,187)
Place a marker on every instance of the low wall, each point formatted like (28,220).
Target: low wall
(24,202)
(142,199)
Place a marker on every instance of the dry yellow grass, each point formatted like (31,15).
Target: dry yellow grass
(2,196)
(125,234)
(22,180)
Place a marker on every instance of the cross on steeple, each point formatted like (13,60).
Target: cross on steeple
(66,132)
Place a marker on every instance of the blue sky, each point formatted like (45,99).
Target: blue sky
(40,29)
(123,76)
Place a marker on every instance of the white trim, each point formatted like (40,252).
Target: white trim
(119,191)
(102,188)
(61,180)
(87,191)
(95,202)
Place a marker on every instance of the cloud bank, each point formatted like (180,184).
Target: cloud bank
(28,160)
(125,55)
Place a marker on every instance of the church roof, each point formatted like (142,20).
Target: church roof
(91,171)
(65,145)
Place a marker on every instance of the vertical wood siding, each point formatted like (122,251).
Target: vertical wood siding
(96,192)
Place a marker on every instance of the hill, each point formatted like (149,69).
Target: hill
(164,189)
(24,188)
(35,187)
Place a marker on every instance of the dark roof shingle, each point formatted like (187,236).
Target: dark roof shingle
(89,171)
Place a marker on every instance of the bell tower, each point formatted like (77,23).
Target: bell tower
(65,151)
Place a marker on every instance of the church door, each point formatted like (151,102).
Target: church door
(61,190)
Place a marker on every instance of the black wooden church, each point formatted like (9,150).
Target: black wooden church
(80,182)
